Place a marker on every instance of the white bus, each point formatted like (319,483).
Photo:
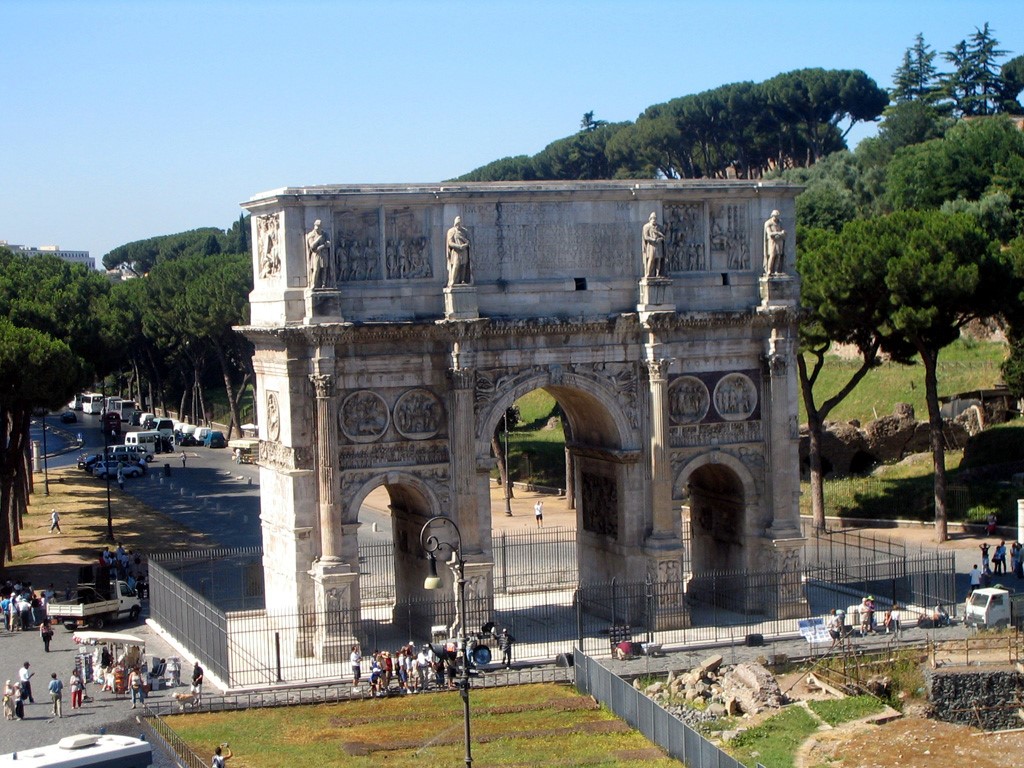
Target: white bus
(92,403)
(86,751)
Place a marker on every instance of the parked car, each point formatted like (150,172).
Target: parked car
(68,417)
(105,468)
(87,461)
(215,439)
(186,439)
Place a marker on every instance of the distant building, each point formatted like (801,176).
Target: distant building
(75,257)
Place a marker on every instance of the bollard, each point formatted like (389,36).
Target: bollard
(183,491)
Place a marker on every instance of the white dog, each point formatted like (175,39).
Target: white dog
(187,700)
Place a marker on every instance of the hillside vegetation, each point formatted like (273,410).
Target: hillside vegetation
(963,366)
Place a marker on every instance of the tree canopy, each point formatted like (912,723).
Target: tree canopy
(746,129)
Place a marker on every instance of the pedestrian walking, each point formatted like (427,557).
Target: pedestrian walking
(197,682)
(538,513)
(46,632)
(975,577)
(8,701)
(56,688)
(19,702)
(25,678)
(183,459)
(120,476)
(135,686)
(54,521)
(355,659)
(75,684)
(505,642)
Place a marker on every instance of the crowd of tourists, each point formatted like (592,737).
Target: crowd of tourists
(23,607)
(410,670)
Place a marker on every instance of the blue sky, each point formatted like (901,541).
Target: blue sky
(129,119)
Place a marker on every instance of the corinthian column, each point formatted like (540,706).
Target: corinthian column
(335,582)
(462,442)
(323,383)
(663,522)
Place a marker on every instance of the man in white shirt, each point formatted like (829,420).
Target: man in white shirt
(975,579)
(25,676)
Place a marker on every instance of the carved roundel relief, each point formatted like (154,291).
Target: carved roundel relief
(735,397)
(688,400)
(418,414)
(273,416)
(364,416)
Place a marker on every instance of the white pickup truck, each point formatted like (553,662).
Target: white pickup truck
(994,607)
(88,608)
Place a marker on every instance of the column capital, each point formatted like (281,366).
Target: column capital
(658,368)
(323,383)
(462,378)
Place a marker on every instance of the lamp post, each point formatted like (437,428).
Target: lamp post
(106,461)
(436,536)
(46,474)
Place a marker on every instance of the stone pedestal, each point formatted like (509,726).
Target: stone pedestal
(655,296)
(792,595)
(323,305)
(460,303)
(779,291)
(667,607)
(333,582)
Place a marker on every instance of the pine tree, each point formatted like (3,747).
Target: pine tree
(916,77)
(975,85)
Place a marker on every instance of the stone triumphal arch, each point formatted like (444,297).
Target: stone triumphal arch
(393,326)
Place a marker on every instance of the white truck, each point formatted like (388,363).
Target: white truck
(89,608)
(994,607)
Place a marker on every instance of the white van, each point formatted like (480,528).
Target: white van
(166,429)
(148,439)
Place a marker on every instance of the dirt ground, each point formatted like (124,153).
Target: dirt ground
(911,742)
(81,501)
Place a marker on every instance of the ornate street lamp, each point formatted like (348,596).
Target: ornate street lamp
(436,536)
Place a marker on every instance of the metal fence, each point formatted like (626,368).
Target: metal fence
(547,559)
(523,561)
(848,546)
(878,498)
(260,647)
(193,620)
(528,560)
(670,733)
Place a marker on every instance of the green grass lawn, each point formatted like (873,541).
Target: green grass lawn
(775,742)
(963,366)
(519,725)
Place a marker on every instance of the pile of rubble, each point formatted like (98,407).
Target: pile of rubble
(743,689)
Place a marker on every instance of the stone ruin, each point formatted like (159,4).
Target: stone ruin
(742,689)
(849,449)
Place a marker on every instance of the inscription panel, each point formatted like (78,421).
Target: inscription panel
(554,239)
